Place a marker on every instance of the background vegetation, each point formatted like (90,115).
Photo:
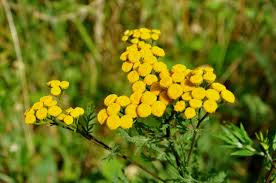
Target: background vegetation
(79,41)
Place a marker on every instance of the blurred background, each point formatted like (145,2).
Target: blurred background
(80,41)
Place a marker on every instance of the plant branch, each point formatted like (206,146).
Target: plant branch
(270,173)
(194,137)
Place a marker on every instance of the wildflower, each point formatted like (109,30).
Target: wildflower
(178,77)
(144,69)
(166,81)
(113,122)
(158,51)
(50,102)
(134,56)
(143,110)
(228,96)
(123,101)
(78,111)
(209,77)
(164,73)
(30,119)
(189,113)
(175,91)
(61,116)
(135,97)
(133,76)
(178,68)
(41,113)
(196,79)
(68,120)
(113,108)
(124,55)
(127,66)
(219,87)
(139,86)
(210,106)
(179,106)
(164,98)
(186,96)
(126,121)
(54,111)
(148,98)
(195,103)
(159,67)
(102,116)
(150,79)
(46,98)
(158,108)
(155,88)
(54,83)
(64,85)
(131,110)
(198,93)
(124,38)
(150,59)
(37,105)
(55,91)
(212,94)
(110,99)
(154,36)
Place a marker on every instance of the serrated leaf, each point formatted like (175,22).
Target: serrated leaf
(243,152)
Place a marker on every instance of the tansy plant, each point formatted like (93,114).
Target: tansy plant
(157,117)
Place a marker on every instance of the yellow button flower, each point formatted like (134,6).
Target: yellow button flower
(56,91)
(159,66)
(178,77)
(136,65)
(195,103)
(135,97)
(148,98)
(155,88)
(158,108)
(198,93)
(64,85)
(150,59)
(166,81)
(54,83)
(219,87)
(150,79)
(179,106)
(123,101)
(212,94)
(123,56)
(134,41)
(209,77)
(186,96)
(37,105)
(158,51)
(144,69)
(41,113)
(189,113)
(196,79)
(210,106)
(113,122)
(50,102)
(80,110)
(127,66)
(68,120)
(131,110)
(134,56)
(102,116)
(110,99)
(186,85)
(143,110)
(145,35)
(164,97)
(178,68)
(126,122)
(163,74)
(228,96)
(30,119)
(139,86)
(54,111)
(175,91)
(45,98)
(133,76)
(61,116)
(113,109)
(69,110)
(124,38)
(154,37)
(77,112)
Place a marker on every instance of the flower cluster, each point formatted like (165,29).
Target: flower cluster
(48,108)
(155,86)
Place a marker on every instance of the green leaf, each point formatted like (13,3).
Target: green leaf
(243,152)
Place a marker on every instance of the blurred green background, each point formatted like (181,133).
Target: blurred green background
(79,41)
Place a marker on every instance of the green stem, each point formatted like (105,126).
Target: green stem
(270,173)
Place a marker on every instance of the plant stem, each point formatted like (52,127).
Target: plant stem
(269,174)
(194,138)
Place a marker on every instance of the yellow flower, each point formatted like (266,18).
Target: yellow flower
(212,94)
(179,106)
(113,122)
(186,85)
(219,87)
(136,33)
(198,71)
(110,99)
(135,97)
(150,59)
(158,51)
(178,77)
(145,35)
(37,105)
(143,110)
(113,109)
(196,79)
(195,103)
(134,41)
(209,77)
(198,93)
(133,76)
(131,110)
(124,55)
(61,116)
(54,111)
(55,91)
(68,120)
(127,66)
(166,81)
(150,79)
(45,98)
(144,69)
(164,97)
(148,98)
(154,36)
(158,108)
(126,122)
(228,96)
(124,38)
(50,102)
(136,65)
(163,74)
(54,83)
(210,106)
(69,110)
(175,91)
(189,113)
(41,113)
(78,111)
(155,88)
(123,101)
(156,31)
(102,116)
(186,96)
(178,68)
(30,119)
(134,56)
(159,67)
(138,86)
(64,85)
